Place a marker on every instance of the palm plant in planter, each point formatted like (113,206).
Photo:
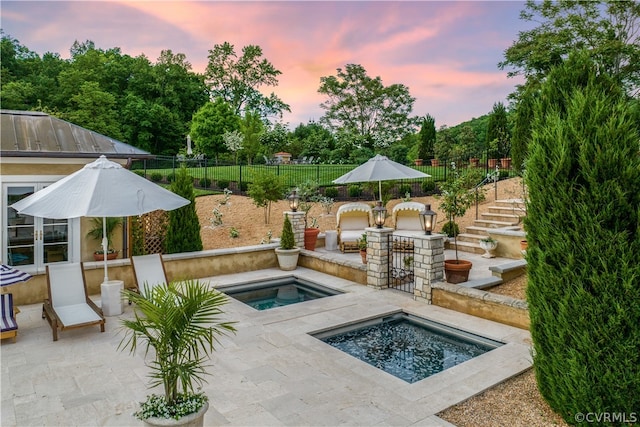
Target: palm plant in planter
(181,322)
(96,232)
(455,199)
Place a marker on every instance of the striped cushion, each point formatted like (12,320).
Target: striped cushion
(8,320)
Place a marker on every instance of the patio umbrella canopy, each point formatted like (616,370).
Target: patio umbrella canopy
(11,276)
(100,189)
(379,168)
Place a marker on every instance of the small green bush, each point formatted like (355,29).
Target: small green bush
(156,176)
(287,240)
(354,190)
(234,233)
(244,186)
(331,192)
(428,186)
(205,182)
(172,177)
(504,174)
(139,173)
(404,189)
(223,183)
(451,229)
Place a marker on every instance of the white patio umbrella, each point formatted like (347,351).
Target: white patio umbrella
(100,189)
(379,168)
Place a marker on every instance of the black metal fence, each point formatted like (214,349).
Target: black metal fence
(209,174)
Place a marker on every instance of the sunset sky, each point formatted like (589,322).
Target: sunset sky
(445,52)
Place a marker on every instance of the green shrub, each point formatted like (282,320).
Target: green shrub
(183,232)
(331,192)
(156,176)
(223,183)
(583,234)
(205,182)
(139,173)
(451,229)
(404,189)
(172,177)
(287,240)
(428,186)
(244,186)
(354,190)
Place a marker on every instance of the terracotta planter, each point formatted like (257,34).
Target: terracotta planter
(310,238)
(418,162)
(492,163)
(457,271)
(363,254)
(435,162)
(110,256)
(474,162)
(505,163)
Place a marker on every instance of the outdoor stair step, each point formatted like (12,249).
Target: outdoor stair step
(510,202)
(470,237)
(483,283)
(489,223)
(513,219)
(469,247)
(507,210)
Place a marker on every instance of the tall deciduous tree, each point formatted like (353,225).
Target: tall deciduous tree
(251,127)
(583,232)
(238,80)
(183,232)
(209,125)
(363,106)
(427,138)
(608,30)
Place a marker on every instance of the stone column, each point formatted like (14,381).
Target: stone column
(297,222)
(378,257)
(428,264)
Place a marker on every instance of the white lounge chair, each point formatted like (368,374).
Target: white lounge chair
(69,305)
(406,216)
(149,271)
(351,220)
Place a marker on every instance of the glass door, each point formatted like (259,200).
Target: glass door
(33,241)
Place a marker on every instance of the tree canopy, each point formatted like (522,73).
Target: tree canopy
(363,106)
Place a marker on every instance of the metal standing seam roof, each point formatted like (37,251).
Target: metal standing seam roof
(37,134)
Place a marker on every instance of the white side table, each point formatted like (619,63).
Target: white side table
(331,240)
(110,295)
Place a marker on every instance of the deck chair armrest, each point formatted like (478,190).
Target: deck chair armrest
(95,307)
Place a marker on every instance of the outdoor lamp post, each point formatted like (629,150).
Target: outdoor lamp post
(379,214)
(428,218)
(293,201)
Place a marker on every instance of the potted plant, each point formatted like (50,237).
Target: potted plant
(362,246)
(489,245)
(180,322)
(308,195)
(96,231)
(456,198)
(287,253)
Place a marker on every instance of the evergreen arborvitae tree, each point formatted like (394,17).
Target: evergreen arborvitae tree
(522,129)
(498,137)
(287,239)
(583,232)
(183,233)
(427,138)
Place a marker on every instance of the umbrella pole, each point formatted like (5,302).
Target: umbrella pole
(105,244)
(380,190)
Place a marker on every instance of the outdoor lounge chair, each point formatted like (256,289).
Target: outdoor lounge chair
(406,216)
(8,323)
(351,220)
(68,305)
(148,271)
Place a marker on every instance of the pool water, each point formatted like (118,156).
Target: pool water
(408,347)
(272,293)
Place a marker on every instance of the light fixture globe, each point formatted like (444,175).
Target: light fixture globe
(428,219)
(379,214)
(293,201)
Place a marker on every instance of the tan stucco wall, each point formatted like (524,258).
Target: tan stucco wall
(308,259)
(193,265)
(39,168)
(481,305)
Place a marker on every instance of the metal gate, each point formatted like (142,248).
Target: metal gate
(400,267)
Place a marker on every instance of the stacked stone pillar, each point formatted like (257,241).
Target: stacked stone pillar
(297,222)
(428,267)
(378,257)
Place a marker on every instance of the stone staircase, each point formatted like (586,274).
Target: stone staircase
(502,213)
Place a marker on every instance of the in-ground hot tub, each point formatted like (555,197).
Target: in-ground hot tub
(408,347)
(271,293)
